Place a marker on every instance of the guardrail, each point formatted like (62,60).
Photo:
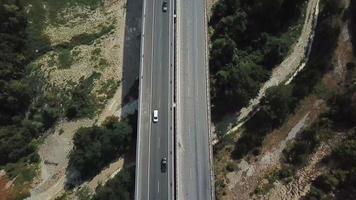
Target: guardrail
(171,147)
(138,152)
(173,100)
(208,102)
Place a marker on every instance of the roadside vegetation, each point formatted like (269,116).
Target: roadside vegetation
(18,155)
(18,89)
(281,101)
(16,131)
(340,179)
(39,14)
(122,186)
(248,39)
(95,147)
(32,100)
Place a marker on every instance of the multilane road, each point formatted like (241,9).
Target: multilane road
(182,132)
(155,139)
(194,169)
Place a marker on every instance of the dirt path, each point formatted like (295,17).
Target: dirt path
(57,146)
(290,66)
(53,153)
(245,180)
(242,183)
(301,184)
(250,175)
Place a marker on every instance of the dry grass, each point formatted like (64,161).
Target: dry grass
(102,54)
(103,28)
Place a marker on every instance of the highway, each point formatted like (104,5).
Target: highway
(194,168)
(155,140)
(174,80)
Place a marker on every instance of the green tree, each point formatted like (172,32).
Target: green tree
(121,187)
(278,103)
(95,147)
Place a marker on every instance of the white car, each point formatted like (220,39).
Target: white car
(155,116)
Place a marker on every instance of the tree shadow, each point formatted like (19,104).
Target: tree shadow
(352,25)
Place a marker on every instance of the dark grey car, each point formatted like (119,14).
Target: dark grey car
(164,164)
(164,6)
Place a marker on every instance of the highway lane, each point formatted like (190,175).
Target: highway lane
(194,170)
(154,139)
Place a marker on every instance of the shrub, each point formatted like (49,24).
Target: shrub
(231,166)
(95,147)
(65,59)
(246,46)
(122,186)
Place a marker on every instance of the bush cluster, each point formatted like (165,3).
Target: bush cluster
(281,101)
(95,147)
(248,39)
(122,186)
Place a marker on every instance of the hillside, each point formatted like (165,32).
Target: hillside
(305,125)
(70,63)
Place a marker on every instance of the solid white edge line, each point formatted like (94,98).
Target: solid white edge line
(138,142)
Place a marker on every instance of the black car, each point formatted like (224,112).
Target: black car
(164,6)
(164,164)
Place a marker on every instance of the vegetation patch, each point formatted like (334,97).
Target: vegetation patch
(297,154)
(89,38)
(281,100)
(109,88)
(248,39)
(339,181)
(283,175)
(122,186)
(80,101)
(276,106)
(16,131)
(23,173)
(95,147)
(65,58)
(30,103)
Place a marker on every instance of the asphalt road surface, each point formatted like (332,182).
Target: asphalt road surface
(155,139)
(193,152)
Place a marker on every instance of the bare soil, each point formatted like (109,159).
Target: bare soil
(252,171)
(54,158)
(56,147)
(301,182)
(290,65)
(108,59)
(5,186)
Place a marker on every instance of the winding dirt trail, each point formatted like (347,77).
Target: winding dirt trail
(289,68)
(57,146)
